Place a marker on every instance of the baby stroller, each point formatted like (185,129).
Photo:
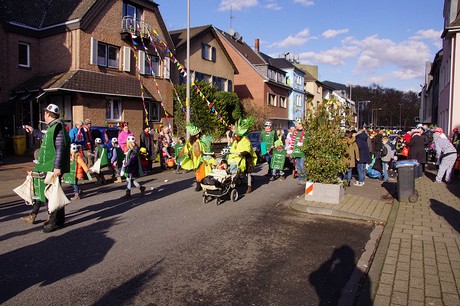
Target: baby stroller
(218,184)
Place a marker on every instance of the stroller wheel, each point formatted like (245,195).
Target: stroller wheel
(234,195)
(217,201)
(205,199)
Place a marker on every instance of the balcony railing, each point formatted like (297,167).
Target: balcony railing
(138,27)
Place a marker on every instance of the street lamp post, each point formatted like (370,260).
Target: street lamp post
(400,116)
(359,111)
(374,118)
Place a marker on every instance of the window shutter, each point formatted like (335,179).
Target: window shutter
(213,54)
(141,61)
(166,68)
(203,51)
(126,59)
(93,52)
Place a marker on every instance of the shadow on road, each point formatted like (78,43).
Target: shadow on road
(332,276)
(54,259)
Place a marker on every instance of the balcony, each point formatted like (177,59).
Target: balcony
(137,27)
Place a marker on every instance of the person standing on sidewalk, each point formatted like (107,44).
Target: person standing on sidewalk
(446,155)
(295,150)
(387,157)
(54,156)
(352,155)
(364,156)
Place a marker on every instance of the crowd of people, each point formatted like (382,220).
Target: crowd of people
(72,155)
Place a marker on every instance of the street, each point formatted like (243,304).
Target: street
(168,248)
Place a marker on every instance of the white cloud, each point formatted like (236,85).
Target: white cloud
(335,56)
(305,2)
(272,5)
(294,40)
(236,5)
(430,35)
(333,33)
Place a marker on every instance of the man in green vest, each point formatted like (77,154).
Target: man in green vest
(54,157)
(267,141)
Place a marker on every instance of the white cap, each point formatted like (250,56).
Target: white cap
(53,108)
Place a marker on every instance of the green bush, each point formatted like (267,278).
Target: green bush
(325,144)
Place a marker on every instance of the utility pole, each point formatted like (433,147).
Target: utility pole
(187,99)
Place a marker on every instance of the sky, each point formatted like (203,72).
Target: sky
(353,42)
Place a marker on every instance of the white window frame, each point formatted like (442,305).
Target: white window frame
(283,102)
(271,99)
(208,52)
(102,56)
(298,100)
(114,103)
(27,64)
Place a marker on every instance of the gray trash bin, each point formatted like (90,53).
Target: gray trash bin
(406,180)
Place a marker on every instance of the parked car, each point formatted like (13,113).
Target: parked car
(105,133)
(255,142)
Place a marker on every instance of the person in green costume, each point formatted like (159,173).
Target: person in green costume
(242,156)
(54,156)
(193,152)
(100,152)
(177,154)
(267,140)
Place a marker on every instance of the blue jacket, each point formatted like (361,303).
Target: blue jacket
(364,153)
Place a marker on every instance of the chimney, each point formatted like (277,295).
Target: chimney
(256,45)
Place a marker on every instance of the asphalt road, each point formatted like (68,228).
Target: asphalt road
(168,248)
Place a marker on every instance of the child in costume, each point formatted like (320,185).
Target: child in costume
(208,154)
(100,152)
(177,153)
(277,161)
(116,160)
(144,157)
(132,167)
(78,168)
(223,165)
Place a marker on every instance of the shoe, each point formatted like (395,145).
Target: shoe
(358,183)
(348,183)
(142,188)
(198,187)
(30,218)
(272,178)
(127,195)
(118,180)
(282,177)
(249,190)
(439,182)
(75,197)
(51,228)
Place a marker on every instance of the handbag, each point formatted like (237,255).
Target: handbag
(55,195)
(200,172)
(26,190)
(96,168)
(405,151)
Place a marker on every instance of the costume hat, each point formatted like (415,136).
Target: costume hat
(52,108)
(206,141)
(243,125)
(192,130)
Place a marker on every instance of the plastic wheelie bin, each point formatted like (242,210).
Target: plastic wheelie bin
(406,180)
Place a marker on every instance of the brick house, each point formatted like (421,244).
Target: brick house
(79,54)
(209,60)
(258,80)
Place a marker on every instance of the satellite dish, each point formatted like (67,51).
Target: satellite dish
(237,36)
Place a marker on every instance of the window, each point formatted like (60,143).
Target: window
(283,102)
(229,86)
(154,111)
(298,100)
(208,52)
(24,55)
(155,61)
(202,77)
(113,110)
(271,99)
(219,83)
(107,56)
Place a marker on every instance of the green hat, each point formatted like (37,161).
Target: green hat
(206,141)
(278,143)
(192,130)
(243,125)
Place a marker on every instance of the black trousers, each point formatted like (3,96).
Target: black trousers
(57,217)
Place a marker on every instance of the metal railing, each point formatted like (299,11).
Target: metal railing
(139,27)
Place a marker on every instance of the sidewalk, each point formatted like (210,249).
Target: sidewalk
(417,260)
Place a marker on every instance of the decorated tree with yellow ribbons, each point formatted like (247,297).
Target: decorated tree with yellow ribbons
(325,143)
(210,110)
